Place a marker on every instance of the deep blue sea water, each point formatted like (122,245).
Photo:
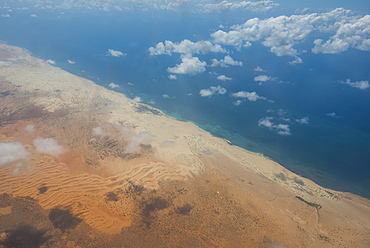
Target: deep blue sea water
(334,152)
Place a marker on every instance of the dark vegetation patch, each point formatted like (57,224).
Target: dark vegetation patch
(145,147)
(130,156)
(6,93)
(43,189)
(24,236)
(146,109)
(330,193)
(281,176)
(134,189)
(311,204)
(91,163)
(63,219)
(298,181)
(154,204)
(111,196)
(184,210)
(324,238)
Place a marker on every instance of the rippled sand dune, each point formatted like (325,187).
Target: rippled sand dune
(83,166)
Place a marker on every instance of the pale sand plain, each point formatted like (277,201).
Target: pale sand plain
(127,175)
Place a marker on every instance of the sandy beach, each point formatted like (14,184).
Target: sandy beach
(90,167)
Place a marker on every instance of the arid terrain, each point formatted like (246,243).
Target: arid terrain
(83,166)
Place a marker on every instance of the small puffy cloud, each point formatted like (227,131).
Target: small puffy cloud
(5,15)
(99,132)
(52,62)
(237,102)
(30,128)
(231,38)
(258,69)
(113,85)
(33,15)
(115,53)
(134,142)
(212,90)
(296,61)
(226,62)
(189,65)
(137,99)
(12,152)
(282,129)
(186,47)
(48,146)
(70,61)
(362,85)
(224,78)
(262,78)
(303,120)
(251,96)
(332,114)
(165,96)
(172,77)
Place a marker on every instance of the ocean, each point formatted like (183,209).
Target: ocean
(329,122)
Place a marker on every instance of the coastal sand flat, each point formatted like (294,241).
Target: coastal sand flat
(130,176)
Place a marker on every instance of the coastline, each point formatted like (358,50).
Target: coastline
(165,151)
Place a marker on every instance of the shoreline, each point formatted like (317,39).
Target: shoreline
(312,173)
(122,145)
(149,107)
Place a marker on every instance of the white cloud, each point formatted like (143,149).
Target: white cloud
(332,114)
(186,47)
(48,146)
(237,102)
(259,6)
(226,62)
(224,78)
(296,61)
(189,65)
(282,129)
(115,53)
(137,99)
(30,128)
(172,77)
(353,33)
(33,15)
(258,69)
(5,15)
(251,96)
(282,33)
(134,142)
(12,152)
(362,85)
(303,120)
(52,62)
(113,85)
(165,96)
(262,78)
(70,61)
(99,132)
(212,90)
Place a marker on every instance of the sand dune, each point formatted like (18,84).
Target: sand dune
(131,176)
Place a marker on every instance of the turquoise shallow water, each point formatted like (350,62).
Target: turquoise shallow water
(334,152)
